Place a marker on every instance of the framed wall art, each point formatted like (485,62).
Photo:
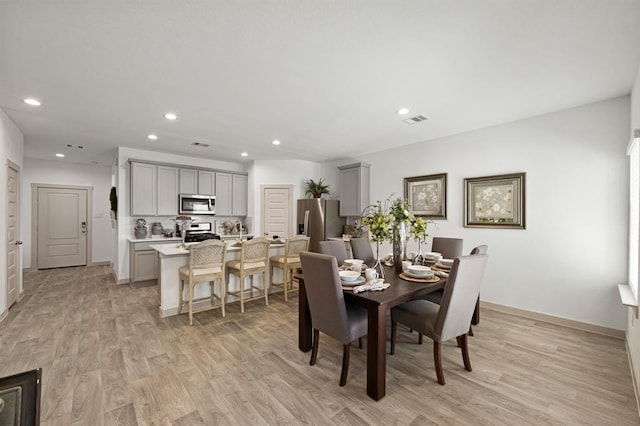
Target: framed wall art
(495,201)
(427,195)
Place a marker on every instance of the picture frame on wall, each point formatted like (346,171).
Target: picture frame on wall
(495,201)
(427,195)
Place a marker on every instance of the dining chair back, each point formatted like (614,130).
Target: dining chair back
(329,312)
(481,249)
(449,248)
(361,249)
(452,317)
(288,262)
(206,264)
(254,258)
(336,249)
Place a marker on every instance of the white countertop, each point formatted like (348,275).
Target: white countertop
(174,250)
(151,240)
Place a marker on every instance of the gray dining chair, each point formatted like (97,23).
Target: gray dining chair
(361,249)
(329,312)
(449,248)
(336,249)
(449,319)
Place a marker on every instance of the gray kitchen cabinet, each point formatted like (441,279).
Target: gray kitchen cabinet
(143,264)
(239,195)
(188,181)
(154,190)
(206,182)
(354,188)
(223,194)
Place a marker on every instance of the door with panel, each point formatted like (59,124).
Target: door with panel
(277,210)
(13,233)
(61,227)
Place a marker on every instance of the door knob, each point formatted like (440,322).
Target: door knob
(18,243)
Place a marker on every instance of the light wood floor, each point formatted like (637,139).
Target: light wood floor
(107,358)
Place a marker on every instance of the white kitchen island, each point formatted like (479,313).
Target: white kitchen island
(172,258)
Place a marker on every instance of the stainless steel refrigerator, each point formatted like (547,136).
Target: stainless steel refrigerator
(319,220)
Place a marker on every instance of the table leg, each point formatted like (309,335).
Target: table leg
(376,352)
(305,338)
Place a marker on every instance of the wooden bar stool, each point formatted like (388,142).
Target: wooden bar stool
(288,262)
(206,264)
(254,258)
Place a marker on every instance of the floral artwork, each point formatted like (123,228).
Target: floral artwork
(495,201)
(427,195)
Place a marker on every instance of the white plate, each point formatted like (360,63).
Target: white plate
(358,281)
(440,265)
(420,276)
(447,262)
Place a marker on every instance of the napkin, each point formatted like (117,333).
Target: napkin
(374,285)
(442,274)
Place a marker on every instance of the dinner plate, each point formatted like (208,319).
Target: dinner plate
(357,281)
(441,266)
(409,273)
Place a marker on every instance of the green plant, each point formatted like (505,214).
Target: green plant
(316,189)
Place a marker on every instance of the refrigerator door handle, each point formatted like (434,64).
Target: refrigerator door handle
(306,223)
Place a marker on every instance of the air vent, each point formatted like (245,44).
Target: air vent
(74,146)
(204,145)
(416,119)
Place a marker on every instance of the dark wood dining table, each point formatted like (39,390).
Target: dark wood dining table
(378,304)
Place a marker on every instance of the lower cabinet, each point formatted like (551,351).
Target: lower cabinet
(143,264)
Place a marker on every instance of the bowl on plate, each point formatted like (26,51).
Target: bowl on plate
(446,262)
(432,255)
(419,270)
(349,276)
(354,264)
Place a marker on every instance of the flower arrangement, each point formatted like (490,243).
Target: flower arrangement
(381,219)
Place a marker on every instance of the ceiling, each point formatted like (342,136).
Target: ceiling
(323,77)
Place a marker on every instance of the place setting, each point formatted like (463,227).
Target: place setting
(354,281)
(419,273)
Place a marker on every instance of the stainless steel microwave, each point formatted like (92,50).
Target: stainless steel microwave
(197,204)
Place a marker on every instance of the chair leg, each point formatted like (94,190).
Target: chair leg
(420,338)
(360,342)
(180,295)
(265,286)
(241,293)
(394,328)
(190,302)
(314,351)
(470,331)
(465,352)
(345,364)
(438,361)
(285,282)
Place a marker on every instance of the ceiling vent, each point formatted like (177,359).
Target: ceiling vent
(415,119)
(204,145)
(74,146)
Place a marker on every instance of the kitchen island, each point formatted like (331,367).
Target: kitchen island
(172,257)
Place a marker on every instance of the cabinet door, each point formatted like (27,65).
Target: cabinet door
(146,265)
(349,192)
(143,189)
(206,182)
(167,191)
(223,194)
(188,181)
(239,196)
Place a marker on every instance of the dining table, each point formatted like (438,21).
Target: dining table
(378,305)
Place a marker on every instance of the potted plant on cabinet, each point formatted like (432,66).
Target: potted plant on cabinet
(316,189)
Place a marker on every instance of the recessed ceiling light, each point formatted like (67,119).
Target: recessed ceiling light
(32,102)
(59,155)
(170,116)
(402,111)
(276,142)
(245,154)
(152,137)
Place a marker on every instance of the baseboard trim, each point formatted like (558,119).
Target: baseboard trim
(4,315)
(592,328)
(103,263)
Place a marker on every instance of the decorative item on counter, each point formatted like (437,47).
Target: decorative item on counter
(156,228)
(141,229)
(168,233)
(316,189)
(183,222)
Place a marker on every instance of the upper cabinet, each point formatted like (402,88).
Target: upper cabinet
(193,181)
(154,190)
(223,194)
(239,195)
(354,188)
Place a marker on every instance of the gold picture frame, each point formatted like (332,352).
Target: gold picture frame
(427,195)
(495,201)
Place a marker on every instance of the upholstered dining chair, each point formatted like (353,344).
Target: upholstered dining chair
(329,312)
(361,249)
(206,264)
(449,319)
(336,249)
(254,258)
(449,248)
(288,262)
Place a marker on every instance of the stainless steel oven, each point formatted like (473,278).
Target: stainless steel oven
(197,204)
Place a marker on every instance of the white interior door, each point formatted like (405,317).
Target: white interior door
(13,234)
(276,208)
(61,227)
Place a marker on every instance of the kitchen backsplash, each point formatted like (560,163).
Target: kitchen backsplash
(166,222)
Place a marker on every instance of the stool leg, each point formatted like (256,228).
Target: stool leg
(241,293)
(190,303)
(265,284)
(223,294)
(285,282)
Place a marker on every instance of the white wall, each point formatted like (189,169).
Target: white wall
(11,148)
(279,172)
(633,324)
(61,172)
(573,253)
(125,222)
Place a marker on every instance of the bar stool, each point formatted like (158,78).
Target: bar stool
(254,257)
(288,262)
(206,264)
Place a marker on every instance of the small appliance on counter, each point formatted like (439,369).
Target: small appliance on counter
(199,231)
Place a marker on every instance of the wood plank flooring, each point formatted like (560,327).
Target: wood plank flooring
(108,359)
